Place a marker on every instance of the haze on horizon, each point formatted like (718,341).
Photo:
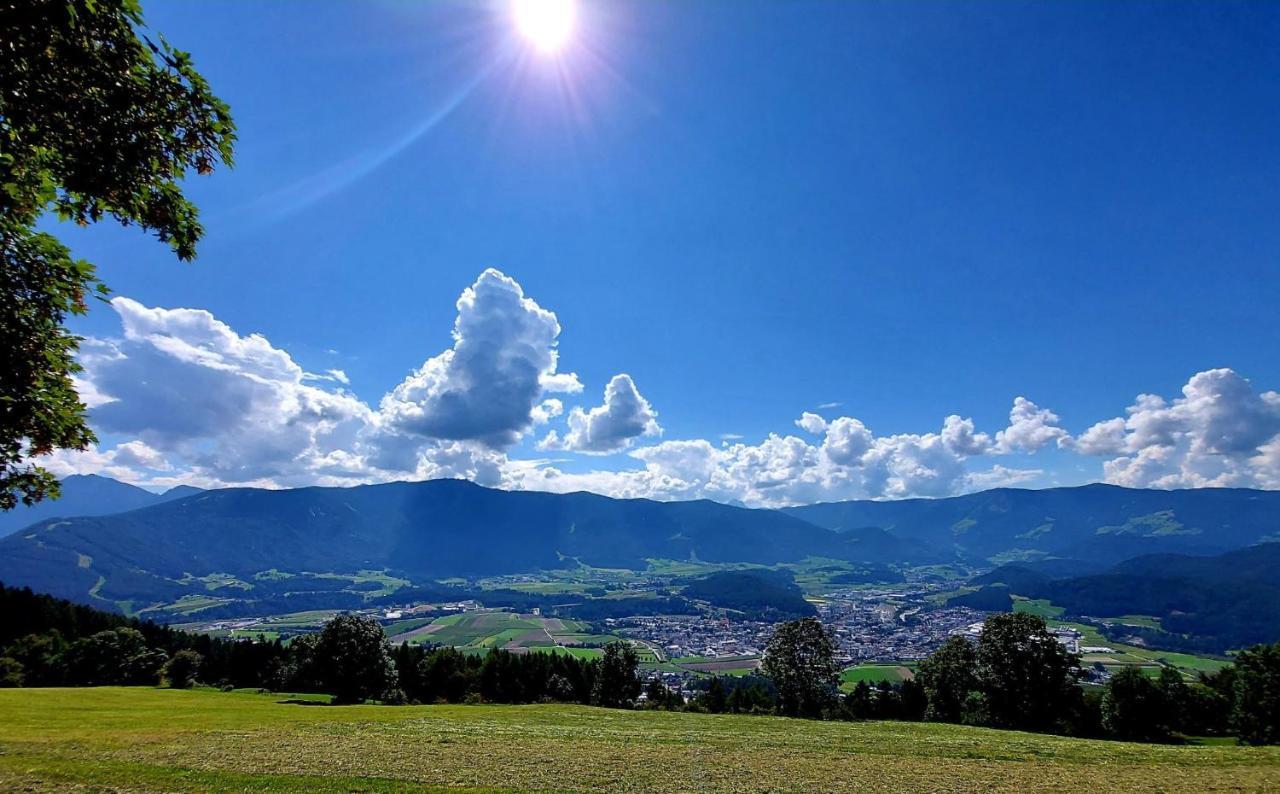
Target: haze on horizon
(720,250)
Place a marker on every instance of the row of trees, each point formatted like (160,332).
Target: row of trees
(1018,676)
(46,641)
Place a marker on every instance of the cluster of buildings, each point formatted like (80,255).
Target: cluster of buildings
(692,635)
(1066,636)
(869,625)
(891,625)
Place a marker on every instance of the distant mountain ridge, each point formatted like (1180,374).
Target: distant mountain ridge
(1098,522)
(430,529)
(444,528)
(88,495)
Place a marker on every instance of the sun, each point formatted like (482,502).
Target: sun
(547,24)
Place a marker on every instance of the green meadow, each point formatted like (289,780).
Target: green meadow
(144,739)
(874,674)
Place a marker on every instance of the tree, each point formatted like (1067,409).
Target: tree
(801,660)
(1177,699)
(948,676)
(11,673)
(857,704)
(353,660)
(655,693)
(1134,707)
(96,120)
(113,657)
(1029,680)
(1255,714)
(913,700)
(714,700)
(39,655)
(182,669)
(887,705)
(617,683)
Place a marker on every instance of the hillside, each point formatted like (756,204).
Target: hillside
(428,529)
(754,594)
(1229,600)
(162,740)
(444,528)
(88,495)
(1102,523)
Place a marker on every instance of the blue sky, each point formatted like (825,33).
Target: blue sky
(752,209)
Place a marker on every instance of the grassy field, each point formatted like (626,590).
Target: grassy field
(1037,606)
(160,740)
(874,674)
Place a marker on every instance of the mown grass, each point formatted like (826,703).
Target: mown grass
(146,740)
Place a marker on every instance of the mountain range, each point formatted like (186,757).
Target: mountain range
(88,495)
(445,528)
(1104,523)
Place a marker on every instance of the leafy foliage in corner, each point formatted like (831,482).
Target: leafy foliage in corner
(96,120)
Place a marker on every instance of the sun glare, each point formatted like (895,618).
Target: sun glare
(547,24)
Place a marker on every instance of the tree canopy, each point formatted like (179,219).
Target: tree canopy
(97,119)
(801,660)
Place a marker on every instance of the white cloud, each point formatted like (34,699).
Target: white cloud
(232,408)
(484,388)
(139,455)
(847,441)
(125,462)
(547,410)
(184,398)
(960,437)
(1220,432)
(561,383)
(1030,428)
(610,427)
(1104,438)
(219,407)
(812,423)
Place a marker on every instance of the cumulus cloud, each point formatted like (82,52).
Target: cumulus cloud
(959,436)
(1030,428)
(847,440)
(191,396)
(547,410)
(181,397)
(1220,432)
(182,384)
(812,423)
(130,462)
(610,427)
(485,388)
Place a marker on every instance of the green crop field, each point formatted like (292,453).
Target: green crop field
(874,674)
(161,740)
(1037,606)
(485,630)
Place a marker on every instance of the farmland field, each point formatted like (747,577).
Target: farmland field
(161,740)
(485,630)
(1037,606)
(874,674)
